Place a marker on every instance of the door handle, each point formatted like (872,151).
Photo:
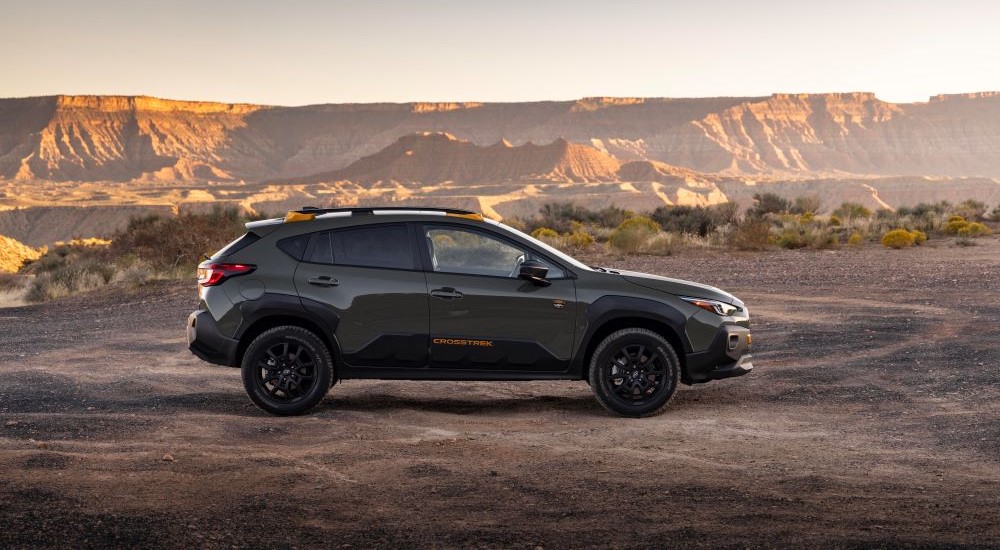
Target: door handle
(446,293)
(323,280)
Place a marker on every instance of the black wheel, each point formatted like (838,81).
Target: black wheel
(287,370)
(634,372)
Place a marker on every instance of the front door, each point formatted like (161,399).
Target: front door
(367,277)
(482,316)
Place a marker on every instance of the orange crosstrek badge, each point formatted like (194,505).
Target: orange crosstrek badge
(460,342)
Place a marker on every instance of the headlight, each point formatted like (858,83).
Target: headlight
(715,306)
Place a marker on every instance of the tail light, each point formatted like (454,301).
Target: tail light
(212,273)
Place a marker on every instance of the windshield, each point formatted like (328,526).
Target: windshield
(562,256)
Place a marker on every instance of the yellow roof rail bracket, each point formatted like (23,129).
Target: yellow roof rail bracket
(471,216)
(294,216)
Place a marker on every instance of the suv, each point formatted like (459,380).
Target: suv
(323,295)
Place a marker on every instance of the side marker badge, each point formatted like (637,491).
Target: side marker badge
(558,304)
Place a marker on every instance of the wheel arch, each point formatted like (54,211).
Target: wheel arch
(613,313)
(274,310)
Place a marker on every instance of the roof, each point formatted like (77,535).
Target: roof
(311,213)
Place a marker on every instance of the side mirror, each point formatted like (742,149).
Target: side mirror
(534,271)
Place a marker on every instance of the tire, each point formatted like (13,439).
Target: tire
(287,370)
(634,372)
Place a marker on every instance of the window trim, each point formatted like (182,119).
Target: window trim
(415,259)
(425,254)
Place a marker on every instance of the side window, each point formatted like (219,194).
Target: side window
(456,250)
(385,246)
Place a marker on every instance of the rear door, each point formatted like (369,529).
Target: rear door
(367,277)
(482,316)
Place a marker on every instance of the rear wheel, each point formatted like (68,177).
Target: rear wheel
(634,372)
(287,370)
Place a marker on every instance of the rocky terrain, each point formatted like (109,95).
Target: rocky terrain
(93,138)
(80,166)
(871,420)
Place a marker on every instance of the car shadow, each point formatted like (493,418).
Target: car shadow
(583,404)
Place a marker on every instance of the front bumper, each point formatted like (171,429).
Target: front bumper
(207,342)
(727,356)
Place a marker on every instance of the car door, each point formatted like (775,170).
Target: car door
(482,316)
(367,277)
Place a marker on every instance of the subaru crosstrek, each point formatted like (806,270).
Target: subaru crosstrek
(322,295)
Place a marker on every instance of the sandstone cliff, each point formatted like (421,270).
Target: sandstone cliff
(94,138)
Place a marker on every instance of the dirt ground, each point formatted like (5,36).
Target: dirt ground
(873,419)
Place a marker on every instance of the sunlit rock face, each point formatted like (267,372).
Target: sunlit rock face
(118,138)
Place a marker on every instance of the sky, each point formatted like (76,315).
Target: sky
(296,52)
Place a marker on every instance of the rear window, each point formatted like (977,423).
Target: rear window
(386,246)
(237,245)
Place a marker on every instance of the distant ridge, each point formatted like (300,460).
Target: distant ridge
(138,138)
(433,157)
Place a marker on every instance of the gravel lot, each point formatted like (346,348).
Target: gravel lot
(873,419)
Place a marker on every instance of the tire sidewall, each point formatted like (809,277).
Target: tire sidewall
(600,362)
(314,346)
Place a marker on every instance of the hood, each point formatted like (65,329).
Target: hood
(679,287)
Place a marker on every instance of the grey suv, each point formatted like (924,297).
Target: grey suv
(323,295)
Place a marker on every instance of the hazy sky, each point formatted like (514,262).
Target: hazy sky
(293,52)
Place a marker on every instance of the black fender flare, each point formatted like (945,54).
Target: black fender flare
(288,306)
(609,309)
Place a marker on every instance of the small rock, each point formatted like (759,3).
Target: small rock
(168,458)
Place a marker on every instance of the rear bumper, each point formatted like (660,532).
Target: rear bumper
(207,342)
(727,356)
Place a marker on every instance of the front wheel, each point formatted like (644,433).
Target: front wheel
(634,372)
(287,370)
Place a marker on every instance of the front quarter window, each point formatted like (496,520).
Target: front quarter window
(469,252)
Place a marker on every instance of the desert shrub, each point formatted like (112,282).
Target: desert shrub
(898,238)
(167,242)
(995,213)
(965,241)
(835,220)
(919,237)
(560,216)
(768,203)
(807,205)
(974,229)
(544,233)
(663,244)
(695,220)
(751,234)
(12,282)
(633,233)
(970,209)
(852,211)
(923,209)
(855,239)
(955,225)
(69,279)
(578,238)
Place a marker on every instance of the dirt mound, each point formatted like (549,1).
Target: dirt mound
(13,254)
(439,157)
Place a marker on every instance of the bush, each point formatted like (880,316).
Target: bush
(971,209)
(835,220)
(898,238)
(578,238)
(807,205)
(995,214)
(919,237)
(852,211)
(695,220)
(768,203)
(546,235)
(169,242)
(663,244)
(974,229)
(751,235)
(633,233)
(12,282)
(855,239)
(560,216)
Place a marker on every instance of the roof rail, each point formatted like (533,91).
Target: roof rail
(372,209)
